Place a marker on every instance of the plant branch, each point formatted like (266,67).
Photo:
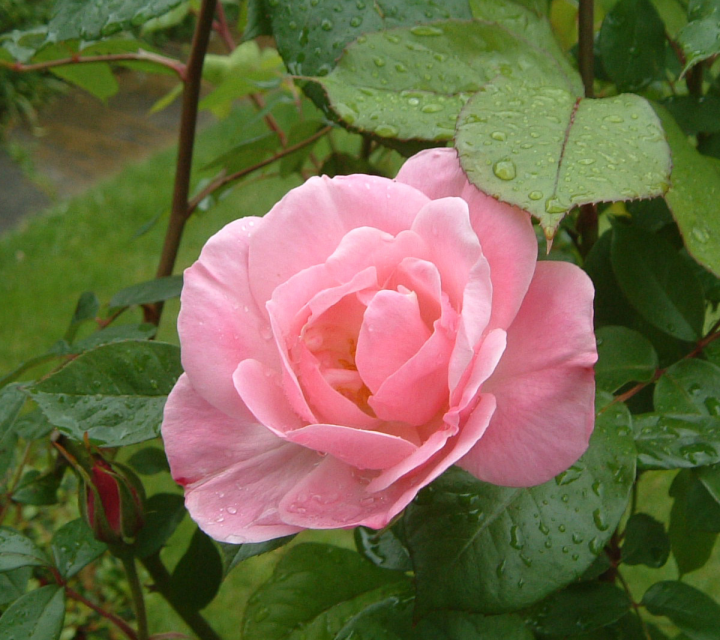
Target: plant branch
(269,119)
(140,56)
(635,605)
(15,481)
(221,27)
(223,180)
(186,142)
(136,592)
(162,584)
(118,622)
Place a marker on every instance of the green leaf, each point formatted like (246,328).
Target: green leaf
(115,333)
(247,153)
(74,547)
(37,615)
(149,461)
(258,21)
(392,619)
(691,387)
(694,197)
(234,554)
(646,542)
(163,513)
(33,425)
(311,36)
(691,548)
(702,510)
(95,77)
(676,441)
(37,488)
(571,152)
(95,19)
(115,393)
(488,549)
(13,584)
(695,613)
(157,290)
(700,38)
(658,282)
(86,309)
(412,83)
(632,45)
(197,577)
(314,590)
(383,548)
(580,608)
(16,550)
(12,400)
(695,114)
(624,356)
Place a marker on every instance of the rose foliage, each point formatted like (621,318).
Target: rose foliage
(346,349)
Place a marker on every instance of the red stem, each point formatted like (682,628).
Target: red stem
(222,28)
(188,123)
(118,622)
(141,56)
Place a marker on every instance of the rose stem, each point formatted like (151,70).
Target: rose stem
(136,592)
(587,222)
(161,583)
(186,141)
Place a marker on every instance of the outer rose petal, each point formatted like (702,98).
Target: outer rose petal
(234,472)
(307,225)
(505,232)
(219,321)
(544,384)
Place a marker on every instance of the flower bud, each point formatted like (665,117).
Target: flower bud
(111,501)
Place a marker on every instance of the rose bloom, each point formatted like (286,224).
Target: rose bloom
(344,350)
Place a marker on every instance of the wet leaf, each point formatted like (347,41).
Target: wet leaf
(74,547)
(689,387)
(488,549)
(37,615)
(695,613)
(694,197)
(700,37)
(571,152)
(383,548)
(17,550)
(115,392)
(624,356)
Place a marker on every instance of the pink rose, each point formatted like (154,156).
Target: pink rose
(346,349)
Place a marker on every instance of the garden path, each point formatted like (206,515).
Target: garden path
(84,140)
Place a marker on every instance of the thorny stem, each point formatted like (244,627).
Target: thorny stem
(142,56)
(223,180)
(188,123)
(587,222)
(136,592)
(118,622)
(161,579)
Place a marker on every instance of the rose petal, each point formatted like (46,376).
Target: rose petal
(337,495)
(392,332)
(505,232)
(361,449)
(308,224)
(544,384)
(219,322)
(234,472)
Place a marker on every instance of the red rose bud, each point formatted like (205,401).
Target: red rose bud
(111,501)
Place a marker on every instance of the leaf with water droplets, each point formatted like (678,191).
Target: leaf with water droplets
(694,197)
(690,387)
(488,549)
(579,609)
(17,550)
(311,35)
(115,392)
(383,548)
(676,441)
(37,615)
(700,37)
(74,547)
(429,73)
(315,590)
(566,151)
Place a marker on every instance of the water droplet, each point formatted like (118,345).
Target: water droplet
(426,30)
(701,234)
(386,131)
(232,511)
(505,169)
(553,205)
(543,528)
(500,569)
(379,62)
(599,520)
(614,118)
(595,546)
(516,537)
(262,614)
(498,135)
(431,108)
(356,21)
(326,25)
